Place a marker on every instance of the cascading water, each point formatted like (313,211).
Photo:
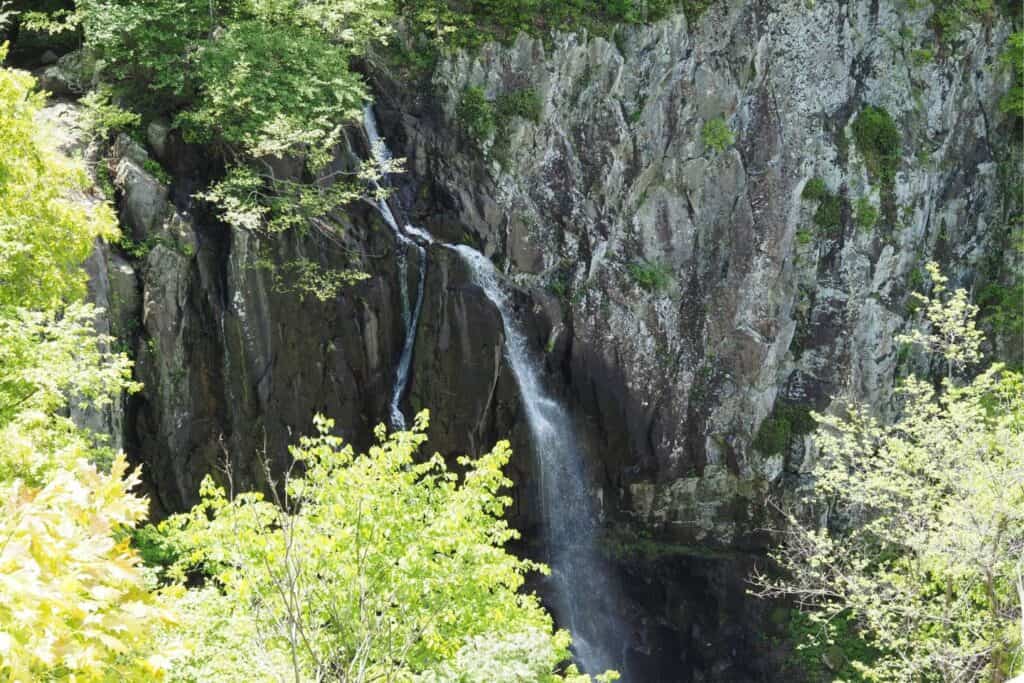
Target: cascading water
(410,317)
(585,594)
(585,597)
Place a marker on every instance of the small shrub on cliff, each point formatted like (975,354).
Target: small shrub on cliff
(777,430)
(828,217)
(524,103)
(1013,59)
(652,276)
(815,189)
(865,213)
(476,115)
(878,140)
(716,135)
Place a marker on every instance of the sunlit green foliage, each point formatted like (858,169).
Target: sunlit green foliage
(716,135)
(951,332)
(1013,58)
(74,604)
(100,115)
(257,81)
(73,600)
(308,278)
(44,233)
(922,552)
(48,356)
(372,566)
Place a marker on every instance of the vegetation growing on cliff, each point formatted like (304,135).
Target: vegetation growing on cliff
(1013,59)
(453,23)
(879,142)
(716,135)
(925,534)
(253,81)
(651,276)
(828,217)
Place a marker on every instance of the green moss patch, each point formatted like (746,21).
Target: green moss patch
(878,140)
(785,422)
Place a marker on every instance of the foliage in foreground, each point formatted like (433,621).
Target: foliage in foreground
(74,603)
(924,546)
(369,566)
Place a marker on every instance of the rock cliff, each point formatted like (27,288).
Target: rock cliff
(701,295)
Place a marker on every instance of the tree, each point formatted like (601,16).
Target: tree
(922,544)
(74,603)
(371,566)
(255,81)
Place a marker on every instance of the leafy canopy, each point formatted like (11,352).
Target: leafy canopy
(923,549)
(370,566)
(46,230)
(258,80)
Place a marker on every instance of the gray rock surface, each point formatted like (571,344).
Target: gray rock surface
(760,311)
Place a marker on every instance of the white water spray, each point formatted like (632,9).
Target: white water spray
(586,596)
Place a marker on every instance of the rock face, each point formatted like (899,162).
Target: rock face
(234,360)
(701,301)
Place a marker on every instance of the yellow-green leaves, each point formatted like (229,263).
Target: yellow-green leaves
(376,566)
(952,333)
(74,603)
(46,229)
(73,600)
(47,356)
(924,538)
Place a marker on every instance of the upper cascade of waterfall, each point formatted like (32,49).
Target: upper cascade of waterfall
(410,314)
(380,151)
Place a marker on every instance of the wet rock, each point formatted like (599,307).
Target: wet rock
(156,136)
(144,207)
(458,358)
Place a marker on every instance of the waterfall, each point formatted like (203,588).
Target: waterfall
(584,594)
(410,316)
